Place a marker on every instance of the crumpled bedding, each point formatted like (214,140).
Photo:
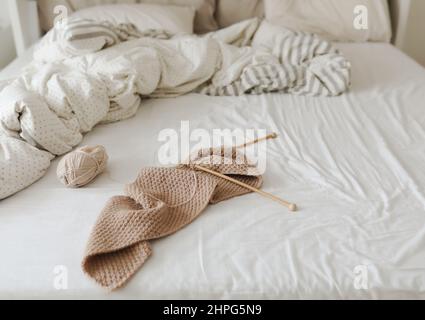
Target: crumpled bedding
(46,111)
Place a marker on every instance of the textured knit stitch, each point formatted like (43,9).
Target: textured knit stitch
(160,202)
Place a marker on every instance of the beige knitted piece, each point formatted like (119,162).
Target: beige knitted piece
(160,202)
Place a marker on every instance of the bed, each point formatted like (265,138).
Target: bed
(352,163)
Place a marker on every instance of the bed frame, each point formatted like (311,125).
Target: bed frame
(26,30)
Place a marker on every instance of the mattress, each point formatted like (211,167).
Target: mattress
(353,164)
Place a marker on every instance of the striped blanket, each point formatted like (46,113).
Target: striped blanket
(85,73)
(76,37)
(299,64)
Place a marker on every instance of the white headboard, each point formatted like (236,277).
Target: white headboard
(25,23)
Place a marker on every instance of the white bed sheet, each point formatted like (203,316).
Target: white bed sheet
(354,165)
(16,66)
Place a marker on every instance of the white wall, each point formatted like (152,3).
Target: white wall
(4,14)
(7,51)
(414,42)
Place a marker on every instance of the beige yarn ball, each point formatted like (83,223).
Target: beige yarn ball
(80,167)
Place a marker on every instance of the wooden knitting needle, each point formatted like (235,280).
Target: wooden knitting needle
(269,136)
(290,206)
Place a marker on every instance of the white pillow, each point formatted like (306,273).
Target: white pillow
(48,13)
(332,19)
(229,12)
(204,16)
(175,19)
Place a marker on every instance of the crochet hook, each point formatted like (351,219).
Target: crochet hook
(290,206)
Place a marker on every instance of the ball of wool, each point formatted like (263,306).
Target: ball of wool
(81,166)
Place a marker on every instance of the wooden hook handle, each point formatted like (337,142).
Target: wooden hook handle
(269,136)
(290,206)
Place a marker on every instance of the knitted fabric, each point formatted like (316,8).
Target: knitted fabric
(160,202)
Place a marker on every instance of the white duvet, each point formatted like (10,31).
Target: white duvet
(65,93)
